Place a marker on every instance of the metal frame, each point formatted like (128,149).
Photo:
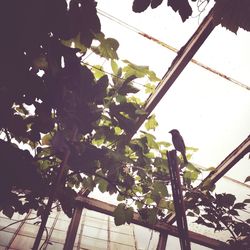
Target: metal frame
(178,200)
(108,209)
(222,169)
(75,221)
(183,57)
(179,63)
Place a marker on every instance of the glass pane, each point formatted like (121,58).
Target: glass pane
(117,246)
(145,238)
(62,224)
(125,229)
(95,233)
(96,215)
(93,222)
(5,222)
(93,244)
(122,238)
(54,246)
(22,242)
(58,236)
(29,230)
(5,238)
(17,216)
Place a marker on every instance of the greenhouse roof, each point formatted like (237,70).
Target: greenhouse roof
(204,92)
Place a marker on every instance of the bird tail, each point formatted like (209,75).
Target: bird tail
(185,159)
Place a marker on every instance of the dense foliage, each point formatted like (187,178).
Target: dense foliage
(55,104)
(66,113)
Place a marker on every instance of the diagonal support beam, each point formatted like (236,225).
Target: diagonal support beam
(108,209)
(226,164)
(183,57)
(222,169)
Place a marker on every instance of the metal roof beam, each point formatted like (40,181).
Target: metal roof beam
(183,57)
(108,209)
(227,164)
(222,169)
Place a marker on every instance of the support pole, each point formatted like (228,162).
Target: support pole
(178,200)
(74,223)
(162,242)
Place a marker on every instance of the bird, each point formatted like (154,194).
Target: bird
(179,144)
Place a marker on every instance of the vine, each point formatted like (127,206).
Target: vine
(52,102)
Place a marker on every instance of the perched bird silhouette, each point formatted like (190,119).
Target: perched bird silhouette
(179,143)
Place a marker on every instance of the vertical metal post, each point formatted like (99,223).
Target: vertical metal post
(75,221)
(73,227)
(162,242)
(178,200)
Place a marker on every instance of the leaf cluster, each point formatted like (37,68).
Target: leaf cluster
(222,213)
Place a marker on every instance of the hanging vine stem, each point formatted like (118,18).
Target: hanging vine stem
(52,195)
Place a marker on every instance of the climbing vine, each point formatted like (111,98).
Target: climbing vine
(53,103)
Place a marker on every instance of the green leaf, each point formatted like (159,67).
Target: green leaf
(46,139)
(191,167)
(75,43)
(152,216)
(8,211)
(139,205)
(141,112)
(233,212)
(152,76)
(123,214)
(149,201)
(114,66)
(151,140)
(151,123)
(129,212)
(120,197)
(192,149)
(107,47)
(127,124)
(210,169)
(203,222)
(164,144)
(118,130)
(149,88)
(127,86)
(121,99)
(190,175)
(239,206)
(225,200)
(98,71)
(103,184)
(163,204)
(119,214)
(160,188)
(139,71)
(135,70)
(140,5)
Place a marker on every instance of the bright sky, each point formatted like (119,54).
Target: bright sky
(211,113)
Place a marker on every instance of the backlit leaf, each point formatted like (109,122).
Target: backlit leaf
(151,123)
